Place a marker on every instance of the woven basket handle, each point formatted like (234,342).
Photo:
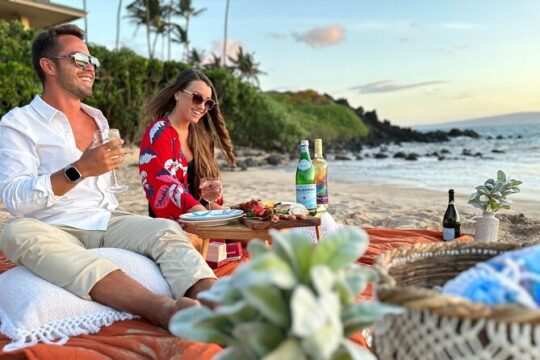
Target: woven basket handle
(384,279)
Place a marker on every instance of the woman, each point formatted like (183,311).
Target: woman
(177,148)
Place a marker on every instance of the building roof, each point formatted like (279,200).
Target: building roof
(38,13)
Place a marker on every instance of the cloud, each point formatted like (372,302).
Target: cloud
(460,26)
(404,39)
(464,95)
(217,49)
(277,35)
(451,49)
(322,36)
(389,86)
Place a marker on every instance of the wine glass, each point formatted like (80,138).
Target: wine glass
(102,137)
(210,189)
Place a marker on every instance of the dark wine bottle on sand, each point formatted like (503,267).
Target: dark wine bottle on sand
(451,222)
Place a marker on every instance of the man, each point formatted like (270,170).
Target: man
(55,182)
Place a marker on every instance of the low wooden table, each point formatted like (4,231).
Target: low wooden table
(237,231)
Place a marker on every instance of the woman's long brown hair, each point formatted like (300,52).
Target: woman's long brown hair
(202,136)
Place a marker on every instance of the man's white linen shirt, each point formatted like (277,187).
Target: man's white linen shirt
(35,142)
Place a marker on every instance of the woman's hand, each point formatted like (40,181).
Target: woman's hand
(197,207)
(187,226)
(215,206)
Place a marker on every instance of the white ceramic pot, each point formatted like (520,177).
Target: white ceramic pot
(486,228)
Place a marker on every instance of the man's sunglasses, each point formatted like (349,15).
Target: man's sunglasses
(82,60)
(197,99)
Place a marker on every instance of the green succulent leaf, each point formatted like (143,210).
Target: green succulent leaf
(363,314)
(289,349)
(235,312)
(306,313)
(322,278)
(296,248)
(228,354)
(501,176)
(222,291)
(260,337)
(257,247)
(266,269)
(269,301)
(354,281)
(515,183)
(341,248)
(185,324)
(323,342)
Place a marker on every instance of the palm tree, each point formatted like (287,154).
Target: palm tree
(170,13)
(224,55)
(178,34)
(118,13)
(150,13)
(186,11)
(85,20)
(216,62)
(195,58)
(245,66)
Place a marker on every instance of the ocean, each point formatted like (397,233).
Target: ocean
(517,154)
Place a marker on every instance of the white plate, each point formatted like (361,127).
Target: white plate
(212,215)
(217,222)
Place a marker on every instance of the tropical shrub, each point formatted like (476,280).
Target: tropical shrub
(18,81)
(321,116)
(291,301)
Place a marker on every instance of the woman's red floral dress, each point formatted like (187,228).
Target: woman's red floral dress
(163,171)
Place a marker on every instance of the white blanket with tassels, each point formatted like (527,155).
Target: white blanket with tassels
(33,310)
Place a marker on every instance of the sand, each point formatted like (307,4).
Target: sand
(364,205)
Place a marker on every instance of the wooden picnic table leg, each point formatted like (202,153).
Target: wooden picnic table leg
(204,247)
(318,233)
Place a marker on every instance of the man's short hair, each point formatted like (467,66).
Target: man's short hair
(46,44)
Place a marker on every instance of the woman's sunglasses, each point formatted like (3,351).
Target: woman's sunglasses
(82,60)
(197,99)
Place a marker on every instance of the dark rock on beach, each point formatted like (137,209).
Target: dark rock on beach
(274,159)
(412,157)
(342,157)
(383,132)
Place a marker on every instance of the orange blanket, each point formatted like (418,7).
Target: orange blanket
(138,339)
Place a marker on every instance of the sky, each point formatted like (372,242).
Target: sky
(415,62)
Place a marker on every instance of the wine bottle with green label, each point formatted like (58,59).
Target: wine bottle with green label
(306,190)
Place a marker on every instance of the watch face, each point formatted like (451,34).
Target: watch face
(72,174)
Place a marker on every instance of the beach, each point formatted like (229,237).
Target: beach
(366,205)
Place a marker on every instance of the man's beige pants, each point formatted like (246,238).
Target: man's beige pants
(59,253)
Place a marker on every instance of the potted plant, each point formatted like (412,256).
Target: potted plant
(491,197)
(294,300)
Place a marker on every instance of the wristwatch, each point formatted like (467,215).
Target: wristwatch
(72,174)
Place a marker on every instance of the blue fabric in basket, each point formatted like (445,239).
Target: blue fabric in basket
(510,278)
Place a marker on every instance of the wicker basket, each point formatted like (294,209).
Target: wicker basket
(442,327)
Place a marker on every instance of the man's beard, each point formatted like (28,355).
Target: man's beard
(68,84)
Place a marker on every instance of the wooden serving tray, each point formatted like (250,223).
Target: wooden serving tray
(257,224)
